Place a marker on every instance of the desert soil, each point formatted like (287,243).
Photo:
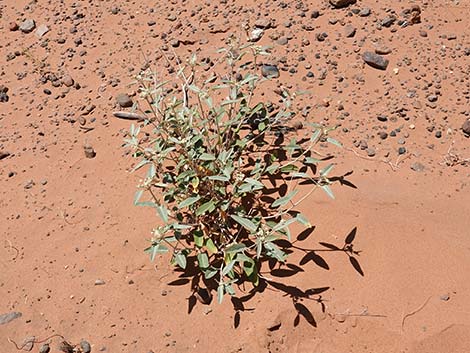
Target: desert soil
(71,244)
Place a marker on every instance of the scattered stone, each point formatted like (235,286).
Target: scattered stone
(68,81)
(41,31)
(466,127)
(3,94)
(382,118)
(375,60)
(341,3)
(66,347)
(383,135)
(8,317)
(27,26)
(415,14)
(129,116)
(263,23)
(99,282)
(432,98)
(45,348)
(13,26)
(365,12)
(401,150)
(388,21)
(256,34)
(85,346)
(370,152)
(349,31)
(3,155)
(124,100)
(445,297)
(275,325)
(383,50)
(90,153)
(29,184)
(28,343)
(269,71)
(417,167)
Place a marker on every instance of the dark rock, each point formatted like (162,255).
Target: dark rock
(6,318)
(375,60)
(383,135)
(466,127)
(321,36)
(388,21)
(124,100)
(341,3)
(270,71)
(89,153)
(27,26)
(3,94)
(432,98)
(382,118)
(3,155)
(45,348)
(401,150)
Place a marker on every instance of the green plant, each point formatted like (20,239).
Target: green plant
(223,172)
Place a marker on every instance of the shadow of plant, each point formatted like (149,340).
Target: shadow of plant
(203,295)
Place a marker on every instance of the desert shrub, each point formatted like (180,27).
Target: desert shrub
(223,169)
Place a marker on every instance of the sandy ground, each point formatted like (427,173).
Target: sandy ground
(71,259)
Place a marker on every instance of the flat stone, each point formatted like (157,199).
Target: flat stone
(365,12)
(8,317)
(383,50)
(375,60)
(263,23)
(349,31)
(417,167)
(27,26)
(41,31)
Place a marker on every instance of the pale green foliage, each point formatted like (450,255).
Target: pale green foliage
(211,163)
